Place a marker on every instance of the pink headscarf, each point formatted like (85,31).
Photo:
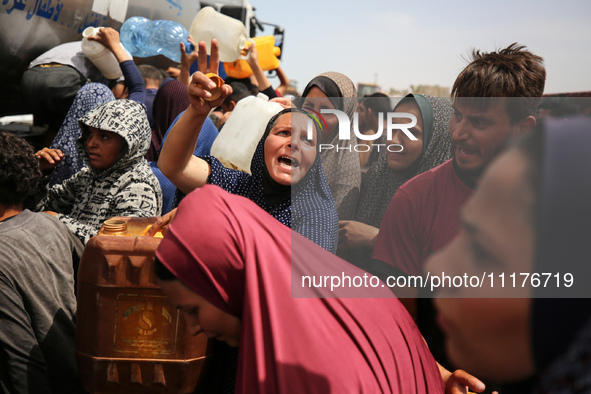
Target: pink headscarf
(245,262)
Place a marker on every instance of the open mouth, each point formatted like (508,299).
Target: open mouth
(288,162)
(465,151)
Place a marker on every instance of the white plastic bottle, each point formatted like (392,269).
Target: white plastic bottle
(238,139)
(99,55)
(230,33)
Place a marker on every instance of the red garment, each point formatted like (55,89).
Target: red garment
(242,260)
(423,217)
(170,101)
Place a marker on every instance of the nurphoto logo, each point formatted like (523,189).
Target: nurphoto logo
(344,128)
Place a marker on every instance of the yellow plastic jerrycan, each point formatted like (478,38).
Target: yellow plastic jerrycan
(129,339)
(268,60)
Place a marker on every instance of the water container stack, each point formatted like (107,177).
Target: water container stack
(143,37)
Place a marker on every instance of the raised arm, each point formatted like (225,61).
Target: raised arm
(259,74)
(109,37)
(187,61)
(283,81)
(134,82)
(176,161)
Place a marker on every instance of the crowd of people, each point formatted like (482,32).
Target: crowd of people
(475,185)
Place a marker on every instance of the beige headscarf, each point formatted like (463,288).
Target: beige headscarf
(341,165)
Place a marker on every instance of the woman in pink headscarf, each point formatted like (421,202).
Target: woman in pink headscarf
(239,275)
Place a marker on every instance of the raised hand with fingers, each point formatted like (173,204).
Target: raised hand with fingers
(187,60)
(257,71)
(253,59)
(109,37)
(200,87)
(49,159)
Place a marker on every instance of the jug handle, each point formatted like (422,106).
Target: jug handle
(242,57)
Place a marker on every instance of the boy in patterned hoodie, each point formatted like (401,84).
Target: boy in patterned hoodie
(118,180)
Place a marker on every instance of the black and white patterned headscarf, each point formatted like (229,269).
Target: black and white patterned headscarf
(88,97)
(127,118)
(128,187)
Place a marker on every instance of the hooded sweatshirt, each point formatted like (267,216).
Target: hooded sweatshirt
(127,188)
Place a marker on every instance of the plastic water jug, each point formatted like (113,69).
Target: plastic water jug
(143,37)
(238,139)
(268,60)
(230,33)
(129,338)
(100,55)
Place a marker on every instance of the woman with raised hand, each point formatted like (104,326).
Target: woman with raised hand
(286,177)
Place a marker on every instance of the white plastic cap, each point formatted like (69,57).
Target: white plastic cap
(263,96)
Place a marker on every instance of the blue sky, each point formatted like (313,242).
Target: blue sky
(403,43)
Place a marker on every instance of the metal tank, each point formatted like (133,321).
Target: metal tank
(30,27)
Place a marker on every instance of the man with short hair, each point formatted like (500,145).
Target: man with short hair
(495,98)
(38,255)
(153,78)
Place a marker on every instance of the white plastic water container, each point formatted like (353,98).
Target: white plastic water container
(238,139)
(100,55)
(230,33)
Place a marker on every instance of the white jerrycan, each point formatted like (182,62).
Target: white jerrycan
(230,33)
(99,55)
(238,139)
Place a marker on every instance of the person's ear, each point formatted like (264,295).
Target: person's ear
(228,107)
(527,124)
